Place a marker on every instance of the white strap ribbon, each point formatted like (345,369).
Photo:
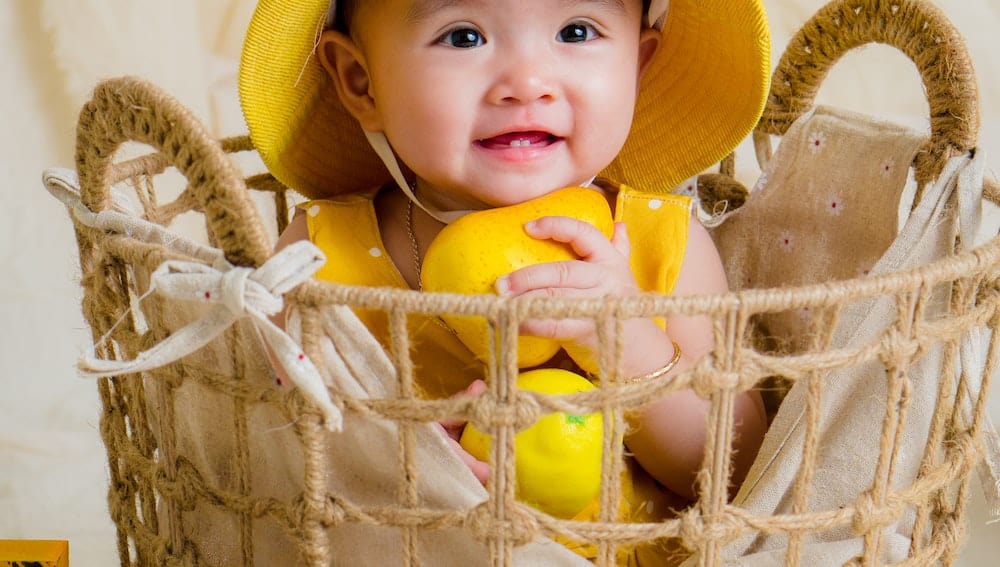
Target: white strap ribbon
(236,293)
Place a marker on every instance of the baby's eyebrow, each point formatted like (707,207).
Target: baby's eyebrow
(421,9)
(614,4)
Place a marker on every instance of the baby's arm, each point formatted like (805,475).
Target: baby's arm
(668,436)
(297,229)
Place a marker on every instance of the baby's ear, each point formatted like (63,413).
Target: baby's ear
(345,64)
(649,44)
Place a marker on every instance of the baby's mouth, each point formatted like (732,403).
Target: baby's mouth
(518,140)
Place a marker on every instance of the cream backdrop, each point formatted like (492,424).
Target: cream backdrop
(52,465)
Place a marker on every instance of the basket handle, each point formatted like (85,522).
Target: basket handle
(130,109)
(917,28)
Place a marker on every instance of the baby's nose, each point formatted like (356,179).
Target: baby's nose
(525,79)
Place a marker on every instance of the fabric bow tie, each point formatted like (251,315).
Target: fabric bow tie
(235,293)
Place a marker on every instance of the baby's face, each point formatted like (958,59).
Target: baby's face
(493,102)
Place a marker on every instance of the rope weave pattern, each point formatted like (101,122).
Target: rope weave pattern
(156,487)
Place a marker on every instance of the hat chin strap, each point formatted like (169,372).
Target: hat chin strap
(381,146)
(657,14)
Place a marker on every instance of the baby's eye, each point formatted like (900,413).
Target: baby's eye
(578,33)
(463,38)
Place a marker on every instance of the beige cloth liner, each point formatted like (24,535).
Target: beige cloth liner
(825,208)
(364,467)
(367,477)
(853,403)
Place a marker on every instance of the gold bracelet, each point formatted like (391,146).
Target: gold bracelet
(659,371)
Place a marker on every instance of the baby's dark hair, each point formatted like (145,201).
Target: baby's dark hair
(347,8)
(343,15)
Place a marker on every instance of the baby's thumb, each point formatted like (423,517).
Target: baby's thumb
(619,239)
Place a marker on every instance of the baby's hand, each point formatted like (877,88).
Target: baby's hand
(452,430)
(603,269)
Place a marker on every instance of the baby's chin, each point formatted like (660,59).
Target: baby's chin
(536,192)
(500,191)
(521,192)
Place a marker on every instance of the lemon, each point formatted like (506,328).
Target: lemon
(558,459)
(468,256)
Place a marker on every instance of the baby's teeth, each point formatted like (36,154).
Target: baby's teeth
(521,142)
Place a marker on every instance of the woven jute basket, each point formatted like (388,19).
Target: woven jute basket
(211,464)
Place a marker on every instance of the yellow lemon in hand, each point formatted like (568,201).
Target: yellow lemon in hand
(558,459)
(468,256)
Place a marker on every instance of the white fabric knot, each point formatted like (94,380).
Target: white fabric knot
(236,293)
(234,287)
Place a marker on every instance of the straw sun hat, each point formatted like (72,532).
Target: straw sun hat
(702,93)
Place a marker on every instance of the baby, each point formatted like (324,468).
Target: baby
(399,116)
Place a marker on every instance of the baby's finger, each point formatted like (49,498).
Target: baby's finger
(586,239)
(556,328)
(474,389)
(453,426)
(480,469)
(620,240)
(550,278)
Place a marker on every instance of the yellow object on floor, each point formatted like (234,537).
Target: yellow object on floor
(34,552)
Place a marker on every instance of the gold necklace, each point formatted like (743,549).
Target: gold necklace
(417,263)
(413,243)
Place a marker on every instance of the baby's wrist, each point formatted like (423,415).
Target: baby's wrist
(648,347)
(658,372)
(648,353)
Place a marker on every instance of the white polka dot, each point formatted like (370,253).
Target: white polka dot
(655,204)
(313,210)
(375,252)
(649,507)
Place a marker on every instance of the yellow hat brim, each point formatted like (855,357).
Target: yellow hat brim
(701,95)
